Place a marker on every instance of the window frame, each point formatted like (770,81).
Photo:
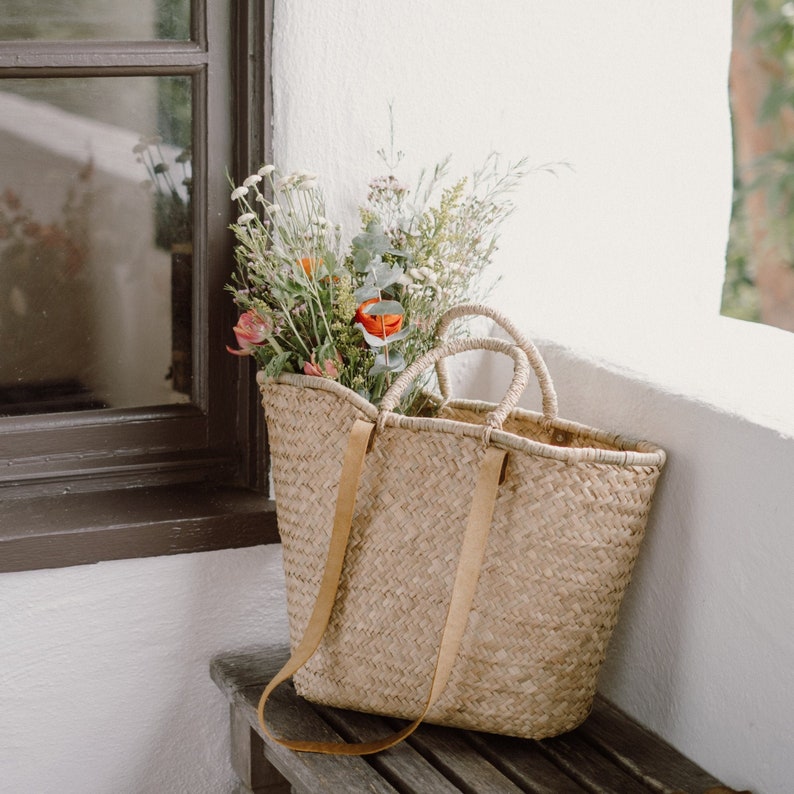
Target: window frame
(94,485)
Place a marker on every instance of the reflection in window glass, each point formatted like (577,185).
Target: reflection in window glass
(95,242)
(119,20)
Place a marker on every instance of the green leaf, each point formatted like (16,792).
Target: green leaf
(329,265)
(366,292)
(371,339)
(277,365)
(382,275)
(377,341)
(384,307)
(779,96)
(396,363)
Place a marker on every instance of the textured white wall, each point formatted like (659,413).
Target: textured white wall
(103,669)
(632,94)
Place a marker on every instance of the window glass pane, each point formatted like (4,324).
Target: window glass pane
(119,20)
(95,242)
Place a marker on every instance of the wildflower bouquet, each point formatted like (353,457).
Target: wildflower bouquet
(361,313)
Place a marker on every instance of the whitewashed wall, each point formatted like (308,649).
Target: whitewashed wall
(616,263)
(104,683)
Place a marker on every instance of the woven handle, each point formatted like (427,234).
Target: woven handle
(532,353)
(467,575)
(519,382)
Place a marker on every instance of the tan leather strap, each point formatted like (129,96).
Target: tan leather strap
(465,584)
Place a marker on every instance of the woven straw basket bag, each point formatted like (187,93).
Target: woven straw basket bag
(465,569)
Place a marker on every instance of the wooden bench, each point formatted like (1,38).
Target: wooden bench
(608,754)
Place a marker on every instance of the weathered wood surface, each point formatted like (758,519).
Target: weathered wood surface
(608,754)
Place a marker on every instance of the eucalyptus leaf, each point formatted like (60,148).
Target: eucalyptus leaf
(384,307)
(395,363)
(377,341)
(362,258)
(399,335)
(375,241)
(371,339)
(366,292)
(384,275)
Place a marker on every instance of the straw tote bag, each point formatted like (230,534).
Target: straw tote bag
(465,569)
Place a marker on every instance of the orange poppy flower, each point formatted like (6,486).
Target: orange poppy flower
(381,325)
(309,265)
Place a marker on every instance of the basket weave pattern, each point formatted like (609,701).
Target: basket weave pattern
(567,527)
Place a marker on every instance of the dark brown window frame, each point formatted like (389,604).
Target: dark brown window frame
(81,487)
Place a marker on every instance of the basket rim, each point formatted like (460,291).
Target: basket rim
(630,452)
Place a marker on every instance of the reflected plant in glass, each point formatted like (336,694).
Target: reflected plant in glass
(170,179)
(43,271)
(56,247)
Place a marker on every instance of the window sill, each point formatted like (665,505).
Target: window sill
(83,528)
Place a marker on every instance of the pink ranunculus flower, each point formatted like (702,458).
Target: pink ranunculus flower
(328,368)
(251,330)
(310,368)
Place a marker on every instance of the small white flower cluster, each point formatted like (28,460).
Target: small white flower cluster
(302,180)
(293,224)
(421,279)
(299,180)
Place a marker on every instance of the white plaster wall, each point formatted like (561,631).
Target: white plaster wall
(104,683)
(633,94)
(103,676)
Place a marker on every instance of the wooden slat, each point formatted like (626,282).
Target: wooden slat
(255,772)
(643,754)
(242,676)
(596,773)
(310,772)
(130,522)
(247,667)
(448,751)
(524,763)
(402,765)
(608,754)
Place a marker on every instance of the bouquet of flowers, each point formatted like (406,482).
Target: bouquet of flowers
(361,313)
